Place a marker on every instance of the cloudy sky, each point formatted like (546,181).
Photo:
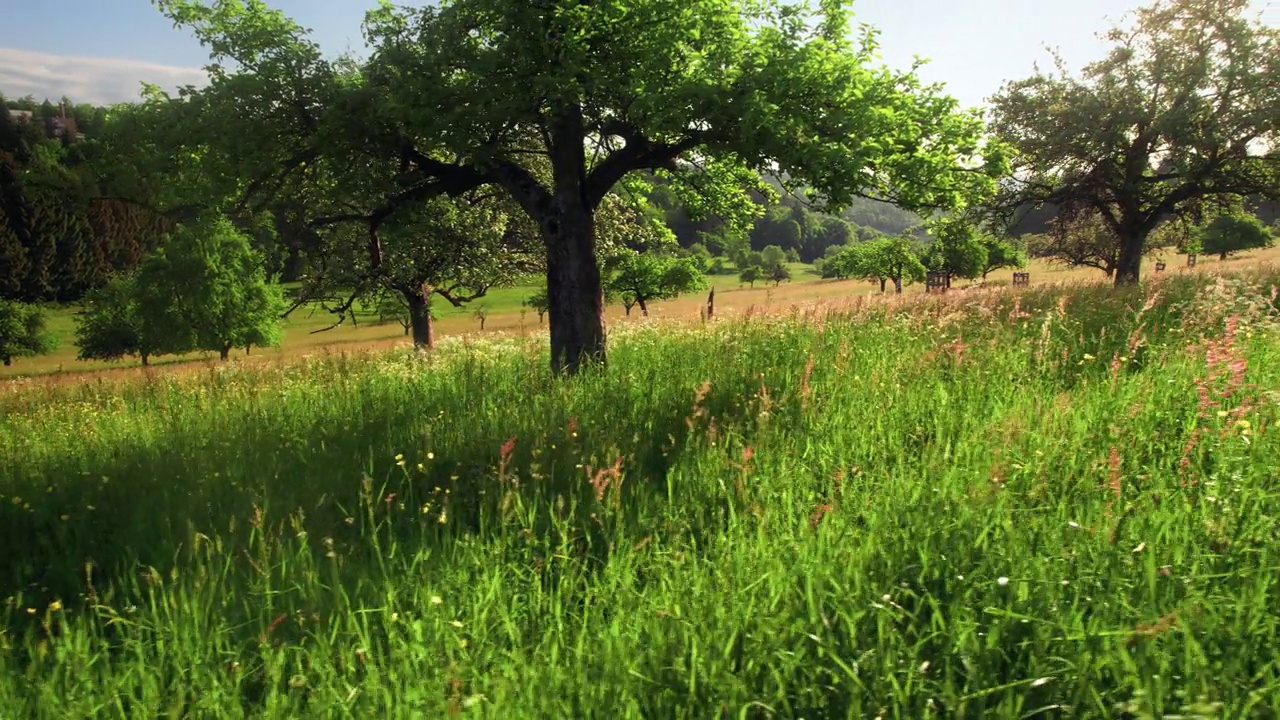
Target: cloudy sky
(100,51)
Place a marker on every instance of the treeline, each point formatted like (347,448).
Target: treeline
(788,223)
(62,233)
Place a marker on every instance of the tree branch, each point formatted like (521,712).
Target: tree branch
(638,153)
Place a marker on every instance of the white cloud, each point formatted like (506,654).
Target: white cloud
(100,81)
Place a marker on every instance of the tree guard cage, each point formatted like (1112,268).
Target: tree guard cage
(1191,260)
(1160,266)
(937,281)
(1021,279)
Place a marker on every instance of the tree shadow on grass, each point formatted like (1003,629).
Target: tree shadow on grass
(141,504)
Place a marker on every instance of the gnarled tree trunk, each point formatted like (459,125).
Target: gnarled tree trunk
(574,289)
(419,301)
(1129,267)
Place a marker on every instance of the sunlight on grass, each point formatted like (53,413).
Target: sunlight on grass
(984,504)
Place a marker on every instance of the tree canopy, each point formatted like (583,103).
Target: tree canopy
(206,290)
(1231,233)
(640,278)
(558,104)
(22,332)
(1182,114)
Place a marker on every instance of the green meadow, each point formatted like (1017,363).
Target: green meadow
(1058,502)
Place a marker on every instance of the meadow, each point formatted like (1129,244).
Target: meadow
(1059,501)
(305,332)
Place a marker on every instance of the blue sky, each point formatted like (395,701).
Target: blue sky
(100,50)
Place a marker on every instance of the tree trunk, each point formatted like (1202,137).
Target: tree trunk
(574,289)
(1223,257)
(1129,267)
(419,301)
(882,284)
(626,308)
(644,310)
(225,353)
(897,285)
(146,359)
(8,361)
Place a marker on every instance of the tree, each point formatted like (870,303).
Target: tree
(1002,252)
(110,326)
(468,94)
(638,278)
(392,306)
(22,332)
(482,314)
(750,275)
(457,250)
(538,303)
(772,256)
(886,259)
(206,290)
(1176,117)
(1227,234)
(958,249)
(778,272)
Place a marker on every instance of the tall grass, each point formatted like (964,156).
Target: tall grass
(1055,503)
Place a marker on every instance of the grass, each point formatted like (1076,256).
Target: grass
(1049,503)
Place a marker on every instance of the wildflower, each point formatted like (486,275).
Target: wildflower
(436,600)
(431,456)
(1243,425)
(1002,581)
(395,617)
(1089,358)
(1041,681)
(55,606)
(1223,413)
(456,623)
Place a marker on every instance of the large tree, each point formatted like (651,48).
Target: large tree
(454,249)
(481,93)
(206,290)
(1232,233)
(1184,111)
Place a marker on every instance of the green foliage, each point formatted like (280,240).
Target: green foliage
(895,259)
(1003,252)
(111,326)
(22,332)
(708,96)
(1168,122)
(206,290)
(391,306)
(1227,234)
(538,302)
(62,230)
(750,275)
(640,278)
(792,522)
(958,248)
(771,257)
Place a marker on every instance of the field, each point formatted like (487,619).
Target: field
(504,306)
(1054,502)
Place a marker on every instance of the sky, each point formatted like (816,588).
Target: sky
(100,51)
